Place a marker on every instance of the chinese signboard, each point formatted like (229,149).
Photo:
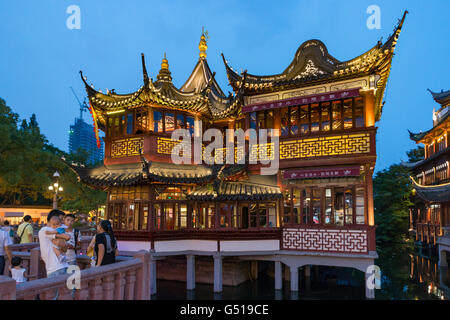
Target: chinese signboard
(316,98)
(322,173)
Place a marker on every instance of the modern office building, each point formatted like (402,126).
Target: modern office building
(82,135)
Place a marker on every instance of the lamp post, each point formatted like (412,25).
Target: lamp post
(55,188)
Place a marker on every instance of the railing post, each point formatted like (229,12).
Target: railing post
(130,280)
(95,289)
(143,276)
(7,288)
(152,282)
(119,281)
(108,287)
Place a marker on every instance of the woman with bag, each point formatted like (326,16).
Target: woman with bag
(104,244)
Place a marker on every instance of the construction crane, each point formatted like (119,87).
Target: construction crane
(83,106)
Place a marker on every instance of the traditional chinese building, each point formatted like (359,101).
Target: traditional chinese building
(318,208)
(431,213)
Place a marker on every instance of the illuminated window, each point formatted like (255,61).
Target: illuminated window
(285,122)
(180,121)
(130,123)
(336,115)
(348,206)
(287,206)
(325,116)
(304,119)
(360,214)
(359,113)
(339,207)
(348,114)
(296,201)
(169,122)
(158,121)
(314,118)
(141,121)
(190,124)
(306,196)
(293,116)
(328,207)
(316,206)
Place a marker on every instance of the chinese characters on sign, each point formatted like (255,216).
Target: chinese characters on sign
(321,173)
(302,100)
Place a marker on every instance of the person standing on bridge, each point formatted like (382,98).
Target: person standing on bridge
(53,265)
(25,230)
(105,244)
(5,242)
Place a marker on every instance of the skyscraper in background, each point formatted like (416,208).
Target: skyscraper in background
(81,135)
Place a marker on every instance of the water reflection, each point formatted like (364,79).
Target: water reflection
(405,275)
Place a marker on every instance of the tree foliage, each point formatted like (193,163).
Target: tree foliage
(392,192)
(416,154)
(27,164)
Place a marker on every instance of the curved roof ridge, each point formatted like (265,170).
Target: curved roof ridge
(312,61)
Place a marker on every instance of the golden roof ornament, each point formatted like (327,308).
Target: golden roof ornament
(202,46)
(165,63)
(164,73)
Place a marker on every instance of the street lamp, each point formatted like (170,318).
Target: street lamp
(55,188)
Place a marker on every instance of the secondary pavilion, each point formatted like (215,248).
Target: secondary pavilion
(430,216)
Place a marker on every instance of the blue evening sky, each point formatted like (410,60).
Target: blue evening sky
(40,57)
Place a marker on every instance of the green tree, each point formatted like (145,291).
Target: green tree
(77,196)
(416,154)
(28,161)
(392,191)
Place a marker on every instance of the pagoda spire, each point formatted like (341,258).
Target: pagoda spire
(164,73)
(203,46)
(144,70)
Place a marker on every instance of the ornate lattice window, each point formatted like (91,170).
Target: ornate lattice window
(324,205)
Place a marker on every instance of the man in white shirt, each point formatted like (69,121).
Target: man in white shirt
(5,242)
(52,264)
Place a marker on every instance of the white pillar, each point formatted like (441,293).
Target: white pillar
(278,275)
(294,278)
(217,273)
(442,257)
(190,272)
(152,275)
(308,277)
(370,292)
(307,271)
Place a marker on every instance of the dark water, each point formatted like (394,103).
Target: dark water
(405,275)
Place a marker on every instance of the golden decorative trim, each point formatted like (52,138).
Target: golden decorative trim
(127,147)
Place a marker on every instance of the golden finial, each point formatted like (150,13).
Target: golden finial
(202,46)
(165,63)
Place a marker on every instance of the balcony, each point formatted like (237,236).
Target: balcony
(158,147)
(348,239)
(428,232)
(355,239)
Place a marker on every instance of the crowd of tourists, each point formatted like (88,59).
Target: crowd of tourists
(59,244)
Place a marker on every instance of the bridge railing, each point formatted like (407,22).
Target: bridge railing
(127,279)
